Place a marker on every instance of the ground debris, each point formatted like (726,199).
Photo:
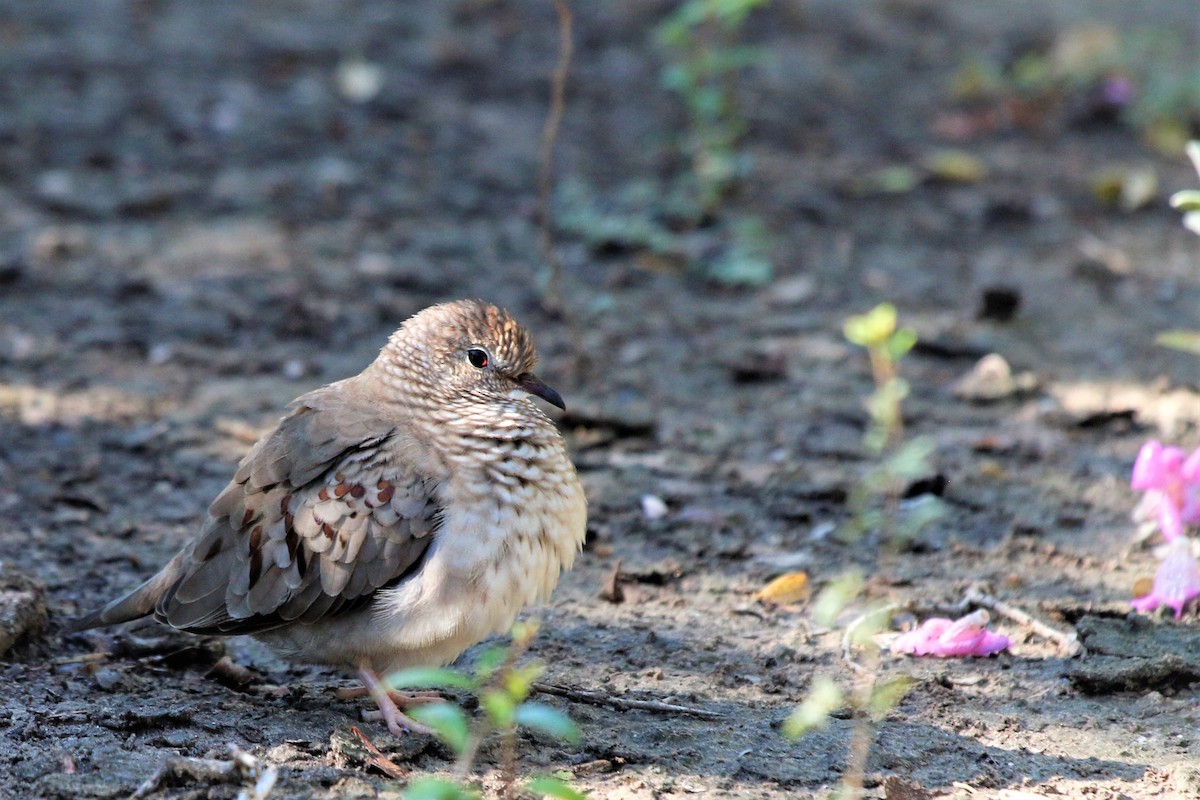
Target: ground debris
(150,717)
(623,703)
(22,608)
(1135,654)
(241,766)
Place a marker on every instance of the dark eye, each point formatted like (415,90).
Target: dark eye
(477,357)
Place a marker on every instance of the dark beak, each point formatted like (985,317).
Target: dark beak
(530,383)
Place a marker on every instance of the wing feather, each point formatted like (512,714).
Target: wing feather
(319,516)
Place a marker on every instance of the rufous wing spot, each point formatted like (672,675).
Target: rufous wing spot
(214,550)
(256,555)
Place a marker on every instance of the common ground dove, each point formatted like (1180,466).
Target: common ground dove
(392,519)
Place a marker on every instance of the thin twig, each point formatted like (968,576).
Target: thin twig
(1067,642)
(375,757)
(558,87)
(622,703)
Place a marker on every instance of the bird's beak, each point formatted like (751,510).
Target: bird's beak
(530,383)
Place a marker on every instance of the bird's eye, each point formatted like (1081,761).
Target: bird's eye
(477,357)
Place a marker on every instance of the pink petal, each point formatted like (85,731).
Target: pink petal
(952,639)
(1170,521)
(992,643)
(921,641)
(1178,578)
(1147,468)
(1190,513)
(1191,468)
(1146,603)
(1176,581)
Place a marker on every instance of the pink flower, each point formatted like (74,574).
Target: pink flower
(1177,580)
(945,638)
(1171,482)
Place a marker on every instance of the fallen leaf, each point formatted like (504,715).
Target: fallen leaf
(786,589)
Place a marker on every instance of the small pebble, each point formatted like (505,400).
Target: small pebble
(653,507)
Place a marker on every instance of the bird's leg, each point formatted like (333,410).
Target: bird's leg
(397,721)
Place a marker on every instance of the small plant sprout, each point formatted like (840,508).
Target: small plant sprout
(1170,480)
(1187,201)
(886,345)
(703,38)
(870,699)
(874,500)
(502,687)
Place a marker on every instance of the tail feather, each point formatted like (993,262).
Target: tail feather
(139,603)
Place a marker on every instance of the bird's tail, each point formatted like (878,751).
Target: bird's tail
(135,605)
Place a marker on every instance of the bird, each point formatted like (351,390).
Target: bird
(391,519)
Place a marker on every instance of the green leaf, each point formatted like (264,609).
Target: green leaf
(519,680)
(548,720)
(549,786)
(489,661)
(920,514)
(912,459)
(836,596)
(499,707)
(438,789)
(887,695)
(872,622)
(900,342)
(873,328)
(430,678)
(1186,200)
(1187,341)
(823,698)
(448,721)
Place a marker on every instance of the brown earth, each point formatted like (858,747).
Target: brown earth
(196,227)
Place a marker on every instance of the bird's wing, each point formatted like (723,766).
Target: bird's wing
(316,519)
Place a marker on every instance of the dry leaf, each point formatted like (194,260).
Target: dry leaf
(790,588)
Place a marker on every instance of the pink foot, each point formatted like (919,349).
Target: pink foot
(397,721)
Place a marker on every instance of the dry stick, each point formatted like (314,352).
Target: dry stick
(554,296)
(558,87)
(376,758)
(622,703)
(1067,642)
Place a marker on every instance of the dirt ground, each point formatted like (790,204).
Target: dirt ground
(197,225)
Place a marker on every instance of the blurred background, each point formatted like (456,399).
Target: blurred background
(207,209)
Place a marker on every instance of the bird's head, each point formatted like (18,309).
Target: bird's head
(467,350)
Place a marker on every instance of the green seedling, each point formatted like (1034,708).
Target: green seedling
(1187,201)
(502,688)
(874,499)
(869,700)
(702,39)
